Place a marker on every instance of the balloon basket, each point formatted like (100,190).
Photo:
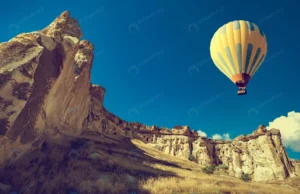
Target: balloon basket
(242,92)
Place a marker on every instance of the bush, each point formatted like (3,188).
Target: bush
(222,166)
(246,177)
(191,157)
(209,169)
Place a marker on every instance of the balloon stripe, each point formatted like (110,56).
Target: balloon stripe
(260,42)
(215,47)
(255,40)
(261,32)
(220,65)
(254,60)
(225,64)
(239,55)
(223,30)
(223,70)
(230,50)
(259,64)
(249,52)
(238,49)
(236,25)
(244,42)
(223,43)
(229,56)
(250,26)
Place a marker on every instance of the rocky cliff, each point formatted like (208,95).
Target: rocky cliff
(46,95)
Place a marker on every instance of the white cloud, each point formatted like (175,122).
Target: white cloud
(217,136)
(289,127)
(225,136)
(201,133)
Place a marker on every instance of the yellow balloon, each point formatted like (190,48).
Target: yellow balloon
(238,49)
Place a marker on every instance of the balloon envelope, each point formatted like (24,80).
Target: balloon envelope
(238,49)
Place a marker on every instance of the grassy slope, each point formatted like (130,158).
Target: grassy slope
(97,164)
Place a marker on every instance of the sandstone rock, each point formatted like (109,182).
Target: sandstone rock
(154,130)
(182,130)
(275,132)
(241,138)
(296,165)
(261,130)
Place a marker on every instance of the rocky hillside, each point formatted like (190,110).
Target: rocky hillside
(46,96)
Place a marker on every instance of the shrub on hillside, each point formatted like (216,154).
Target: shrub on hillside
(191,157)
(223,166)
(246,177)
(209,169)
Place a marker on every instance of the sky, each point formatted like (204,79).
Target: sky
(153,59)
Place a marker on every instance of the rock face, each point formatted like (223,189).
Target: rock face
(45,92)
(296,164)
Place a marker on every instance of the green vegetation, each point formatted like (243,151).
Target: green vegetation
(246,177)
(209,169)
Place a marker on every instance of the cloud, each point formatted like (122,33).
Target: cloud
(201,133)
(217,136)
(289,127)
(225,136)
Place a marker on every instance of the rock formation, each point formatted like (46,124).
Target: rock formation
(45,93)
(296,164)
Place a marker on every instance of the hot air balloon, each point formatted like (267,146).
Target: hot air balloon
(238,49)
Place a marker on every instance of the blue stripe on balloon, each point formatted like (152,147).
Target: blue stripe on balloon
(261,32)
(225,64)
(236,25)
(221,67)
(259,63)
(238,48)
(223,30)
(229,56)
(255,59)
(248,56)
(250,26)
